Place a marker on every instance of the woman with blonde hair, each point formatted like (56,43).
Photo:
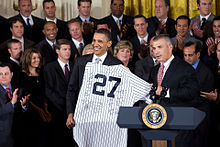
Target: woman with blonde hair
(124,51)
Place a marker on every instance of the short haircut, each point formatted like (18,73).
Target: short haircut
(140,16)
(48,22)
(123,44)
(79,1)
(5,64)
(22,0)
(105,32)
(113,1)
(216,18)
(14,20)
(198,46)
(47,1)
(183,17)
(163,36)
(61,42)
(167,2)
(9,42)
(74,20)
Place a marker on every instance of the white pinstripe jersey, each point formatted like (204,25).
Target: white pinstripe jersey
(104,90)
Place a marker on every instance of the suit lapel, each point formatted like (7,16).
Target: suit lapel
(60,71)
(4,96)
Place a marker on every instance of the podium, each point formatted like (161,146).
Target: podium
(178,118)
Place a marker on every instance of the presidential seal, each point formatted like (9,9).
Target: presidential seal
(154,116)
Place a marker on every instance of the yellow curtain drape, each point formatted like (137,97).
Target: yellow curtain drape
(177,8)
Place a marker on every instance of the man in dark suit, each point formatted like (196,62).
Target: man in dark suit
(15,51)
(161,23)
(30,22)
(175,80)
(77,40)
(140,41)
(101,43)
(9,106)
(56,74)
(121,25)
(89,23)
(201,24)
(17,31)
(49,9)
(4,29)
(205,78)
(47,46)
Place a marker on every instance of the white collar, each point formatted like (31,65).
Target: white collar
(25,19)
(145,38)
(55,20)
(76,42)
(62,64)
(51,43)
(206,17)
(16,61)
(167,63)
(116,18)
(102,57)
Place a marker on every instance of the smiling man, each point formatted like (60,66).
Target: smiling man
(101,43)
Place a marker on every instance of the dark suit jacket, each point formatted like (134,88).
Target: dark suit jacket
(4,28)
(33,32)
(47,52)
(143,68)
(77,77)
(109,20)
(153,23)
(6,119)
(4,54)
(16,69)
(181,80)
(56,86)
(74,50)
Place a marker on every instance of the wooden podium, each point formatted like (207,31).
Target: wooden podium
(178,118)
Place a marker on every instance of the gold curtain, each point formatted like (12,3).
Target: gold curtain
(177,8)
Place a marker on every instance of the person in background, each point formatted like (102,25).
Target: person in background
(88,49)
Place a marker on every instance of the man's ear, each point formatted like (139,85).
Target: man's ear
(109,43)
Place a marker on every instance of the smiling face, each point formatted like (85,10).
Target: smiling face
(5,76)
(50,31)
(216,28)
(182,27)
(17,30)
(100,44)
(76,31)
(35,60)
(162,50)
(124,55)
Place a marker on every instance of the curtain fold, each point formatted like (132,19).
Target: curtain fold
(177,8)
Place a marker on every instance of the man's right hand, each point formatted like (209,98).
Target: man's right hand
(70,121)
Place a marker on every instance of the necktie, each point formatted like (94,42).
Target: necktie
(98,60)
(81,48)
(160,75)
(85,20)
(119,24)
(28,22)
(9,92)
(203,23)
(66,72)
(142,41)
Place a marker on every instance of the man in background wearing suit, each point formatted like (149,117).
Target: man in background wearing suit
(9,106)
(57,75)
(161,23)
(49,9)
(4,29)
(101,43)
(47,46)
(89,23)
(121,25)
(30,22)
(17,31)
(175,80)
(205,78)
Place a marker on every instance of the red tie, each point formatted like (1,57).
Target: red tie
(160,75)
(66,72)
(9,92)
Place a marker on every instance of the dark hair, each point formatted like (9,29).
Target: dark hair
(14,20)
(140,16)
(79,1)
(61,42)
(105,32)
(47,1)
(197,48)
(74,20)
(167,2)
(4,64)
(113,1)
(216,18)
(26,60)
(21,0)
(183,17)
(9,42)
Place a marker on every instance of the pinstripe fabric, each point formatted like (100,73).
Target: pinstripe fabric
(97,106)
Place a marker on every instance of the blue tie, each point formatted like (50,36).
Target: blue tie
(28,22)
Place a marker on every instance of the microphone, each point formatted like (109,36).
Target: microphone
(153,93)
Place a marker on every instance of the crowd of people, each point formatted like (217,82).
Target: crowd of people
(42,63)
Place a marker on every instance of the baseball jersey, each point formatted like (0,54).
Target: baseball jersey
(104,90)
